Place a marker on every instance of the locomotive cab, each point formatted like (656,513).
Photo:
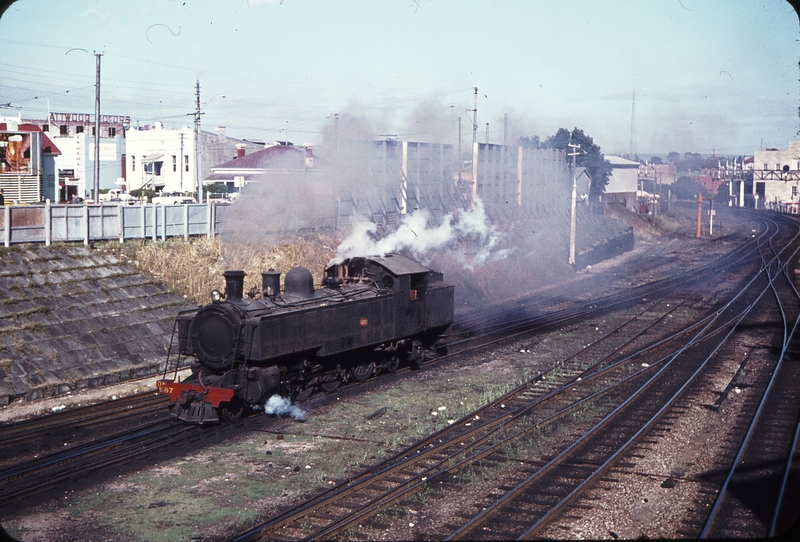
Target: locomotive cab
(393,272)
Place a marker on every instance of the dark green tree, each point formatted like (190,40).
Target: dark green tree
(590,157)
(687,188)
(216,188)
(530,142)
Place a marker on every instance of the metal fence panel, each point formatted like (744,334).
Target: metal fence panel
(199,219)
(133,221)
(27,224)
(30,223)
(103,222)
(66,223)
(173,220)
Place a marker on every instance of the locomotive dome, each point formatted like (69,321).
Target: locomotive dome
(299,283)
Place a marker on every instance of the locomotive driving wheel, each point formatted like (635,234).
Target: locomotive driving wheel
(394,364)
(302,392)
(232,410)
(330,382)
(361,373)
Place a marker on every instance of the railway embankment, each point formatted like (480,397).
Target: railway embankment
(72,318)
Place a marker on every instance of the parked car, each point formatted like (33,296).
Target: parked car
(117,195)
(217,198)
(174,198)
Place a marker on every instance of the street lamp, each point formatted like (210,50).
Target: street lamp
(335,117)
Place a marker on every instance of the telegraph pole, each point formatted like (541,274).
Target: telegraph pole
(475,118)
(96,185)
(474,150)
(460,159)
(197,151)
(181,161)
(573,221)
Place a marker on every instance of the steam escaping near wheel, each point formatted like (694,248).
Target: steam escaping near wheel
(281,406)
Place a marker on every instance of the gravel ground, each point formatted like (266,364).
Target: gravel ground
(209,491)
(651,499)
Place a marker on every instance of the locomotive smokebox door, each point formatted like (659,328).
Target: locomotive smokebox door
(215,336)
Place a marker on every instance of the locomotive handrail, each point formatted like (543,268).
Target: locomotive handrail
(180,347)
(169,351)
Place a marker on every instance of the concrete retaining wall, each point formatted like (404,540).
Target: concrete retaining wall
(72,318)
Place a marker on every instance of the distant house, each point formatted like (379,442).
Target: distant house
(623,182)
(276,161)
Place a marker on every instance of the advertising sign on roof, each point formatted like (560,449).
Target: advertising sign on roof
(15,155)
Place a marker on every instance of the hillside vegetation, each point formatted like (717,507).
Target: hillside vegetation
(194,268)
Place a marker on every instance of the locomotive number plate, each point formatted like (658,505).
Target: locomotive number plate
(363,322)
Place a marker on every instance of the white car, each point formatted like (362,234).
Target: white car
(117,195)
(172,199)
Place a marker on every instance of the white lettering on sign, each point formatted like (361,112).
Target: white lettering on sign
(88,118)
(78,155)
(108,151)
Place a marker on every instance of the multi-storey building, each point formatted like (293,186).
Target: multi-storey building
(150,157)
(164,159)
(74,133)
(776,175)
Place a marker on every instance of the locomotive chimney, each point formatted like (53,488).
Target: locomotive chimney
(234,284)
(270,283)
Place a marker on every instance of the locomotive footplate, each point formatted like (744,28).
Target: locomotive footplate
(193,403)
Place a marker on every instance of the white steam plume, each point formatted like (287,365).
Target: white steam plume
(281,406)
(414,235)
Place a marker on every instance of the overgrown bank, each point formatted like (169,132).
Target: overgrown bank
(193,268)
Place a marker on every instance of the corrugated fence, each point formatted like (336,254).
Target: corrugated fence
(48,223)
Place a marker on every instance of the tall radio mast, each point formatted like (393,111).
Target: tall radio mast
(633,126)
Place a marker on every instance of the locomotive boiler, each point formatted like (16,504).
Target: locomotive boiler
(371,314)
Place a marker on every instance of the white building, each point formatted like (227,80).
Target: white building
(776,175)
(76,163)
(623,182)
(164,159)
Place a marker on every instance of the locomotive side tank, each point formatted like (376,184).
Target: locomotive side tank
(371,314)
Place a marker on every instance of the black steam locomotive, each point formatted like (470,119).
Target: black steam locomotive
(371,314)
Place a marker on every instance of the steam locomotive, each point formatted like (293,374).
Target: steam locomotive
(372,314)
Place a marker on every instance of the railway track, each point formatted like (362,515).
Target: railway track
(39,436)
(44,473)
(622,399)
(763,462)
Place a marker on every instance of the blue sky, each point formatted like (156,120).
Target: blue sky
(708,75)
